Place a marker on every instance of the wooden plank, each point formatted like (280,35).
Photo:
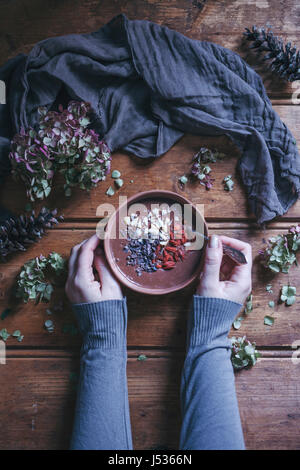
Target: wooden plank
(38,395)
(28,23)
(24,23)
(162,173)
(158,322)
(37,403)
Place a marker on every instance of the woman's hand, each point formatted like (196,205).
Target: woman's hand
(89,277)
(236,285)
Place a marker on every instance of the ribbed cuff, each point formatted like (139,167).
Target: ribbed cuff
(210,319)
(103,324)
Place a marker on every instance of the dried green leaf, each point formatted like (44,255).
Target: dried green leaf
(269,288)
(268,320)
(288,295)
(119,182)
(116,174)
(110,191)
(48,323)
(183,179)
(249,304)
(228,183)
(142,357)
(4,334)
(237,323)
(5,313)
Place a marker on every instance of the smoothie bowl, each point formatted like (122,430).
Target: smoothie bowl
(154,242)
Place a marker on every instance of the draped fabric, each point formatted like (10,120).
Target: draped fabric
(149,85)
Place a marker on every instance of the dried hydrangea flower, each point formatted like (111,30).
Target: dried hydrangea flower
(62,143)
(200,169)
(32,281)
(280,254)
(243,353)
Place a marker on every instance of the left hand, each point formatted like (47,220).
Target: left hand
(86,259)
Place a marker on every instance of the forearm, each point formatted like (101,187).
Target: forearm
(102,412)
(209,405)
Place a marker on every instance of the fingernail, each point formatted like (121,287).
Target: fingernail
(214,241)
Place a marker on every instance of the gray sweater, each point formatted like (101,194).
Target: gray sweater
(210,415)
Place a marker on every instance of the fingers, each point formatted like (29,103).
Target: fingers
(213,259)
(86,256)
(227,267)
(110,287)
(235,283)
(239,245)
(73,256)
(240,274)
(101,267)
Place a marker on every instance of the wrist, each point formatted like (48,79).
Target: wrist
(210,318)
(102,324)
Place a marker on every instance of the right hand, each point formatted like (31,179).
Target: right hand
(237,284)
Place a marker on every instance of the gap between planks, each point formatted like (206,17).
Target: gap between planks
(132,353)
(213,223)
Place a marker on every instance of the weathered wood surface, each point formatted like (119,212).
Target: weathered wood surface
(163,173)
(25,22)
(159,322)
(39,397)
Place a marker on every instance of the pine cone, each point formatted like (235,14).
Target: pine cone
(285,59)
(17,233)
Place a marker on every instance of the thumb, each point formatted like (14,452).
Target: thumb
(213,259)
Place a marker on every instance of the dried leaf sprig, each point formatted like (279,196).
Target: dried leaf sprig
(280,254)
(200,168)
(17,233)
(285,58)
(32,283)
(243,353)
(248,309)
(62,143)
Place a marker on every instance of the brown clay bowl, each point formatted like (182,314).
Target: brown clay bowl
(161,281)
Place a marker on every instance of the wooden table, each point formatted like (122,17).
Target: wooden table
(37,383)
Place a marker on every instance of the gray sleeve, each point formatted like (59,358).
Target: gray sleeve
(102,412)
(210,411)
